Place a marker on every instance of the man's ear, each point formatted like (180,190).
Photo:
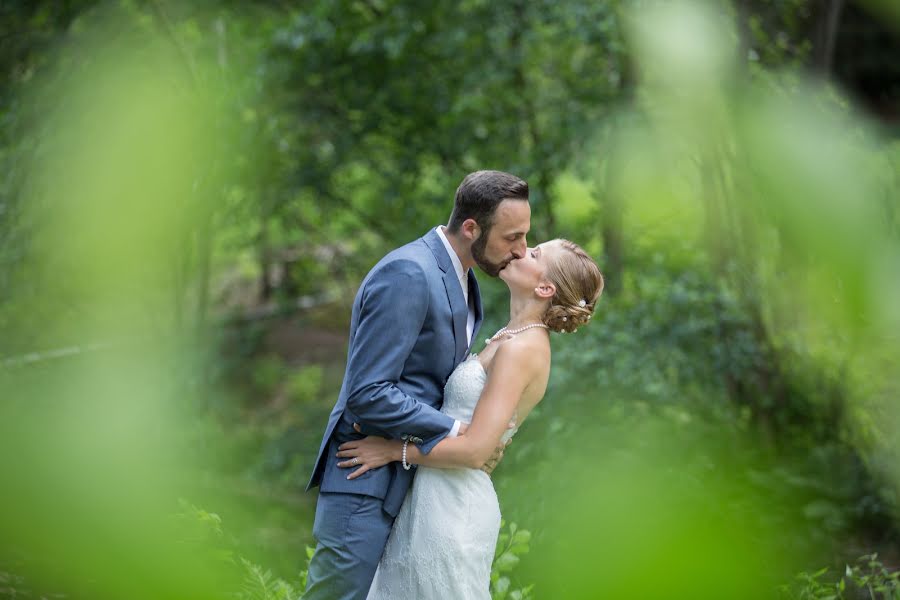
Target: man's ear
(470,230)
(545,290)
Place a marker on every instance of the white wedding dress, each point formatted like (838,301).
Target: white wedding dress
(442,543)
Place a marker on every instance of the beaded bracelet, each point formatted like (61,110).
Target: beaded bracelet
(406,465)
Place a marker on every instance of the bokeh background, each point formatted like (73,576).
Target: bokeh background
(193,190)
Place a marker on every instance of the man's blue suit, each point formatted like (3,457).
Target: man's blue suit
(407,334)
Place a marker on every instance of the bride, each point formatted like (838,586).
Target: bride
(442,543)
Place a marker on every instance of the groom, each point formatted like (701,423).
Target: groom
(413,321)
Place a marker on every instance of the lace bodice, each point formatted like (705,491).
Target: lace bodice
(463,390)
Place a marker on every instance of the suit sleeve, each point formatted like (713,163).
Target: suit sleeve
(392,311)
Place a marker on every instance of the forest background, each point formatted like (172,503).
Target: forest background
(192,192)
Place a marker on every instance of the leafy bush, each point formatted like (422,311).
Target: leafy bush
(268,371)
(253,582)
(260,584)
(511,544)
(304,385)
(671,350)
(869,578)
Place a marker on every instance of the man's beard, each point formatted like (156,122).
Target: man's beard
(491,268)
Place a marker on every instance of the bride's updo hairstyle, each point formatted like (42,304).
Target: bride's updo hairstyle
(579,284)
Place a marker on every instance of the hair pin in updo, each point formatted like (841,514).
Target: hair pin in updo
(582,303)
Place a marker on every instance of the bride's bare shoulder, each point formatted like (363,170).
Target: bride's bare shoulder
(526,349)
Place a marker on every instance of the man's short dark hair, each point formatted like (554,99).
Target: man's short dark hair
(479,194)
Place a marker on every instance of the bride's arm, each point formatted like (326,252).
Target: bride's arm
(513,368)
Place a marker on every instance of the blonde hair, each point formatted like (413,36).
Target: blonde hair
(579,284)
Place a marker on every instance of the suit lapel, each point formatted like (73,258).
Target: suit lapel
(458,308)
(460,312)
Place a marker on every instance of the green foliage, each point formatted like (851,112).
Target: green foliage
(512,543)
(668,352)
(202,530)
(868,578)
(303,385)
(205,532)
(14,583)
(252,581)
(153,150)
(385,140)
(268,372)
(260,584)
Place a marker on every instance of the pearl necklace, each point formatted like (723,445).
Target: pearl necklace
(506,331)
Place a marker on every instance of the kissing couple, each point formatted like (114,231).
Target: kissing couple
(415,403)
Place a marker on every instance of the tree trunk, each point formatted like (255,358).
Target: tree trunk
(204,261)
(826,20)
(264,253)
(745,42)
(613,243)
(611,195)
(531,135)
(612,204)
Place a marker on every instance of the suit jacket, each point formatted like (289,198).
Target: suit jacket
(407,334)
